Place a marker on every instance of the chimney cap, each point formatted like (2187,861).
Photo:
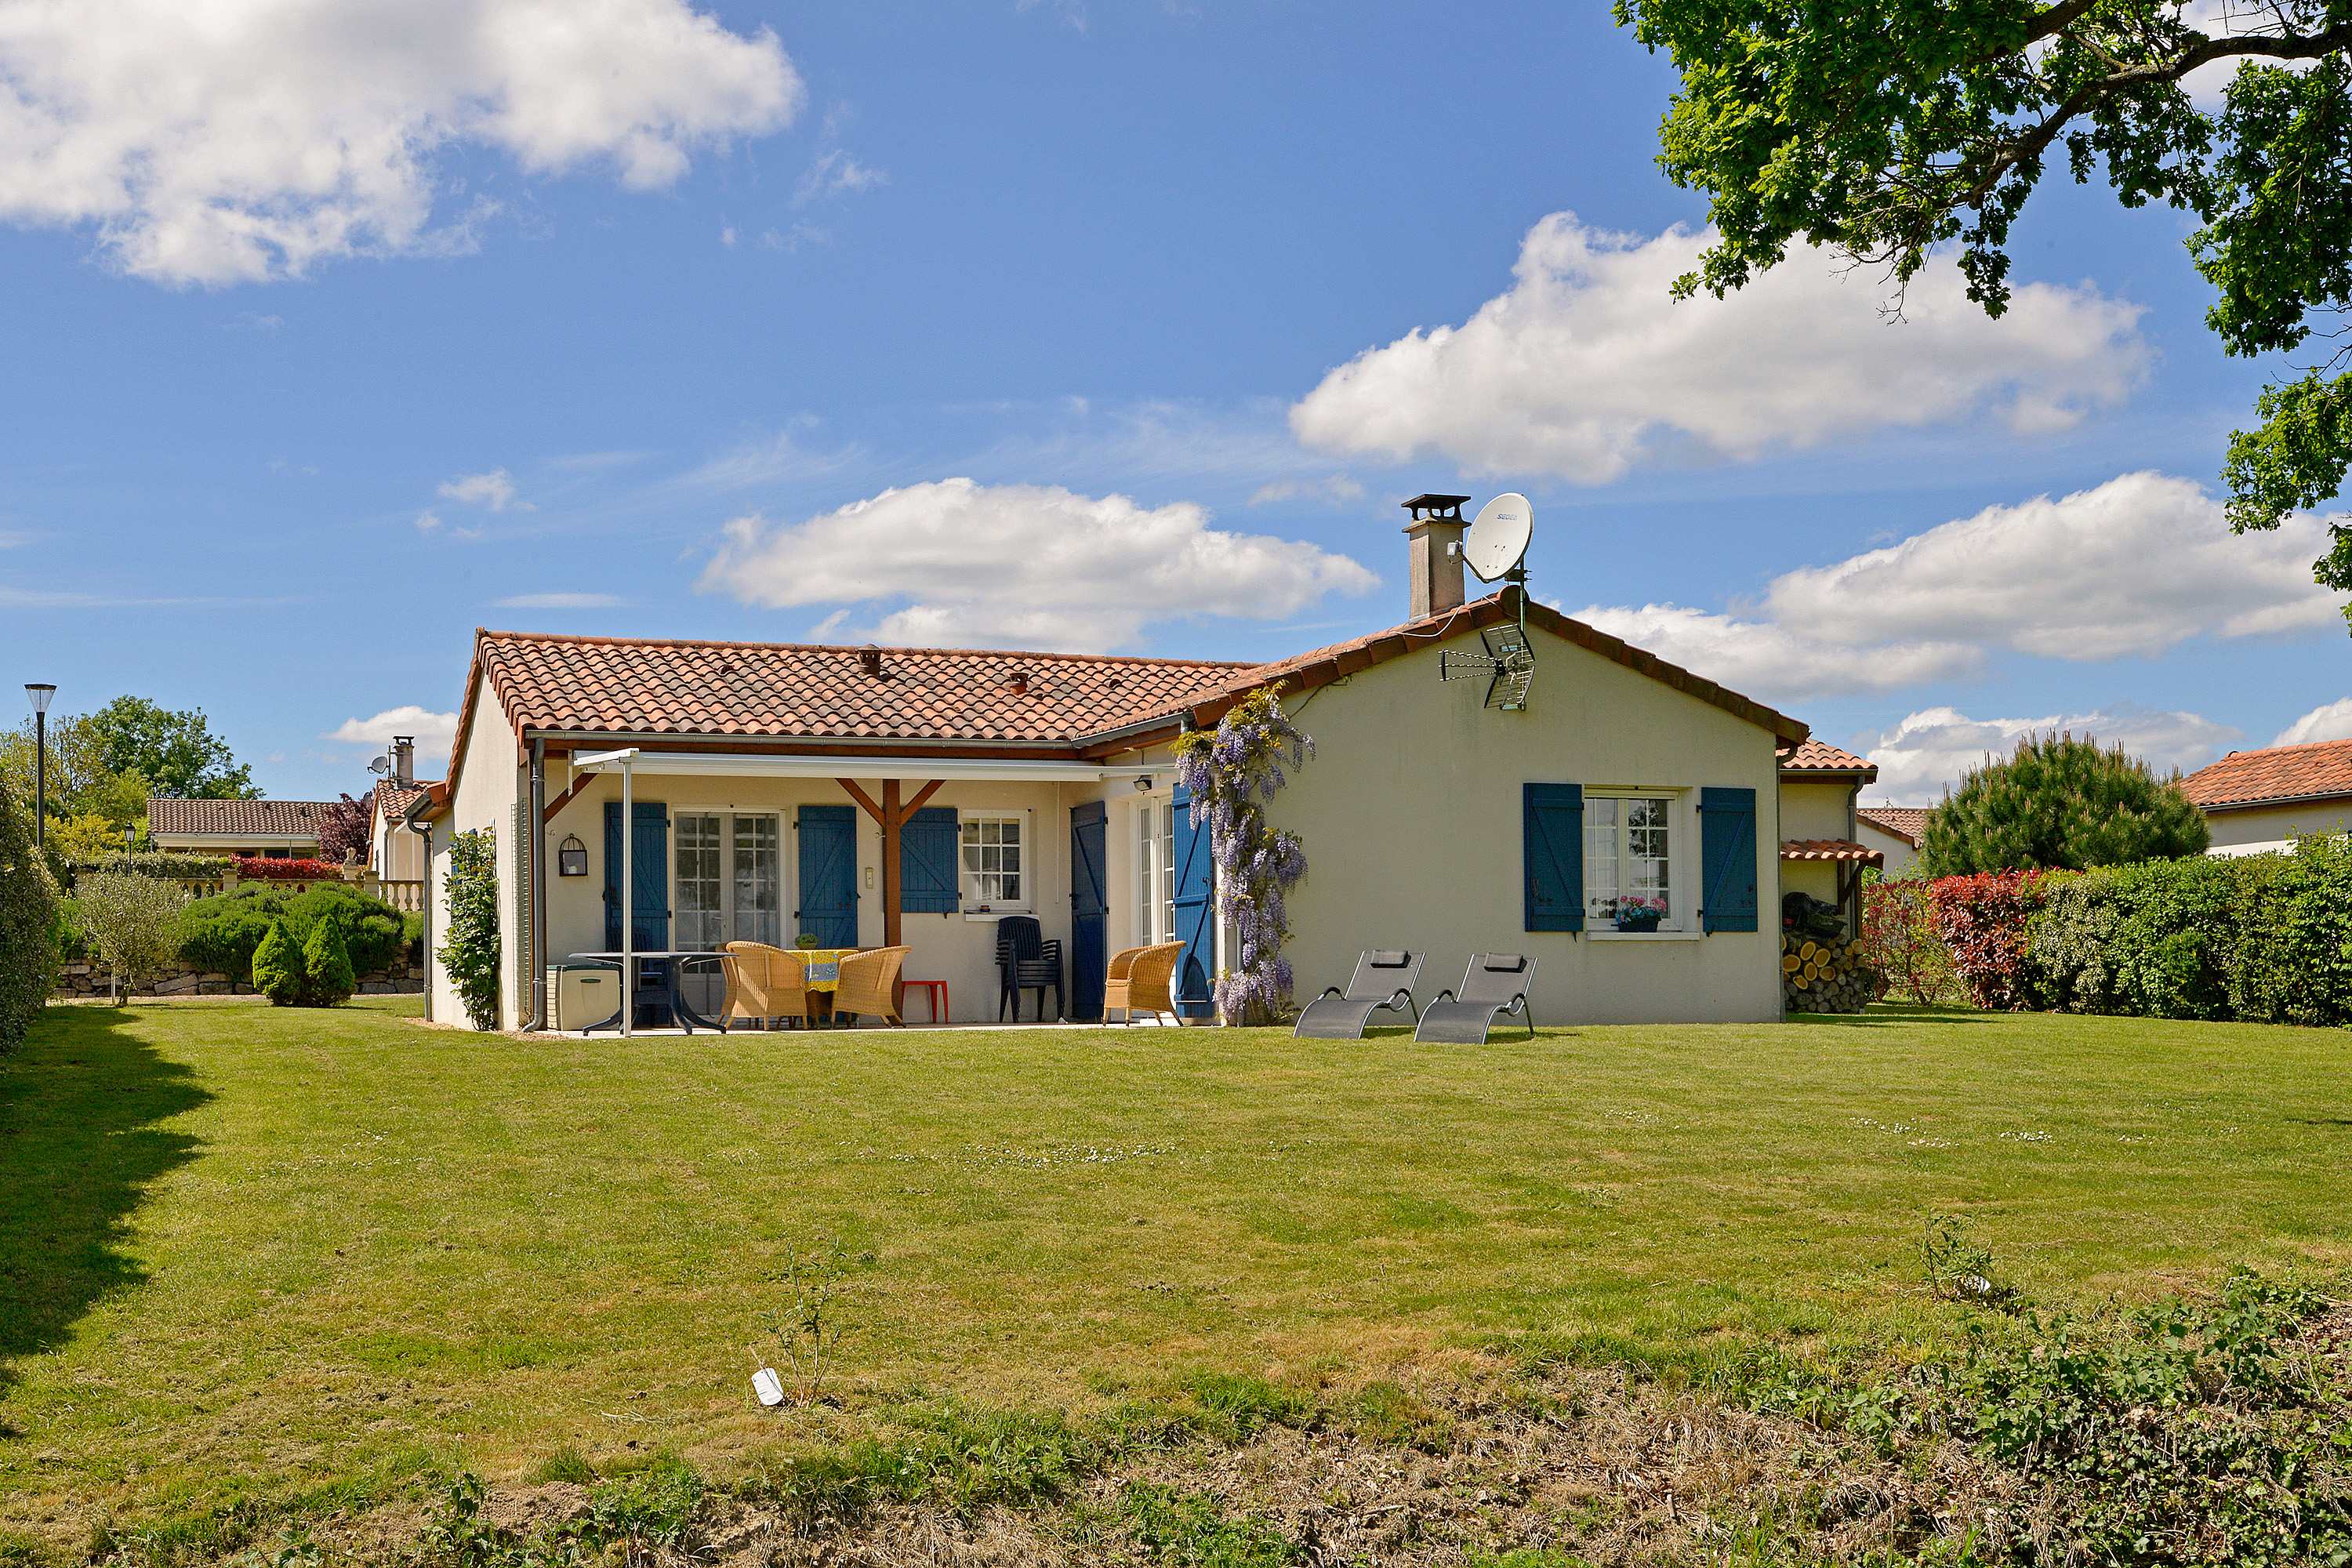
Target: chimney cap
(1446,509)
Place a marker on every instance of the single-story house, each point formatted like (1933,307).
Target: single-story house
(1821,850)
(249,829)
(2266,799)
(397,854)
(1896,832)
(872,796)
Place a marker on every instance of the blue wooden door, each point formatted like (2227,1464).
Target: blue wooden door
(828,910)
(1196,925)
(648,879)
(1089,910)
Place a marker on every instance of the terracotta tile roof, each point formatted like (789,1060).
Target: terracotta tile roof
(1325,665)
(282,818)
(1818,757)
(1909,823)
(795,692)
(2276,773)
(1829,849)
(391,796)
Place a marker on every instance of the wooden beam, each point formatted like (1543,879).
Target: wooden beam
(893,816)
(547,814)
(862,798)
(930,790)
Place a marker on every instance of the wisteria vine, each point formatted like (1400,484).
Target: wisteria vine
(1233,772)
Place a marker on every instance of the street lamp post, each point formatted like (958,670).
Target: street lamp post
(40,693)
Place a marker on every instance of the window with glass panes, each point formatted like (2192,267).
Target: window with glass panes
(1629,863)
(994,868)
(1155,872)
(726,878)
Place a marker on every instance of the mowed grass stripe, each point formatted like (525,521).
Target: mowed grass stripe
(261,1247)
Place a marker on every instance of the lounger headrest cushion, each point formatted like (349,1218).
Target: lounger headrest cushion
(1504,963)
(1389,959)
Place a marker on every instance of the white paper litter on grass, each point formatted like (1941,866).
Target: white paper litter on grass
(768,1385)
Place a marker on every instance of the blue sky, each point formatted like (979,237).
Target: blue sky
(611,358)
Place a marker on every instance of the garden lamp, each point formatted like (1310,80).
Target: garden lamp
(40,692)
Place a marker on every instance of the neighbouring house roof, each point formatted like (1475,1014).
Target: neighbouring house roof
(1830,850)
(1909,823)
(1818,757)
(391,798)
(2273,773)
(234,818)
(827,696)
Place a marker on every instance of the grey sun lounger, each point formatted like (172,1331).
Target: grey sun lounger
(1382,980)
(1494,984)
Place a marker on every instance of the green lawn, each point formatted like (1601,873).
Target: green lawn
(247,1249)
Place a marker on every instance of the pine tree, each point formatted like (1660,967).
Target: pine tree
(2061,802)
(327,967)
(277,968)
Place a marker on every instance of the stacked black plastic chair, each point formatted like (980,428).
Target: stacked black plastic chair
(1384,980)
(1495,984)
(1027,961)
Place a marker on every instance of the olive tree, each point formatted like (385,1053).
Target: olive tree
(133,922)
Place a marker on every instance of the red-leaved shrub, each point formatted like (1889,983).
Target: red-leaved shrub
(1982,920)
(262,869)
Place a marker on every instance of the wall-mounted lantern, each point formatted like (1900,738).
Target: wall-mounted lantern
(572,859)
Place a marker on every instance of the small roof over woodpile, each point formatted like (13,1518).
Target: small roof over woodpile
(1830,850)
(2322,770)
(1820,758)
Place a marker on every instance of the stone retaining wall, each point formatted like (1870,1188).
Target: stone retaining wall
(80,978)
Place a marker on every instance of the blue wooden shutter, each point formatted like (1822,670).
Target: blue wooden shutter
(1089,907)
(1195,905)
(828,874)
(649,881)
(927,862)
(1727,842)
(1552,833)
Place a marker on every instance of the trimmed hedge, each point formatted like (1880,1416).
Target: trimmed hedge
(167,865)
(2255,939)
(222,934)
(29,927)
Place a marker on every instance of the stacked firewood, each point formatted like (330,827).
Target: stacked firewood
(1824,975)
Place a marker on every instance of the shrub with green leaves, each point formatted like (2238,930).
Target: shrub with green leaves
(222,934)
(132,922)
(28,926)
(469,944)
(2060,803)
(326,978)
(277,967)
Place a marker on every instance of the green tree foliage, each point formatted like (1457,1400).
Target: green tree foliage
(1886,129)
(2060,803)
(175,752)
(327,973)
(131,921)
(80,782)
(470,944)
(28,926)
(224,934)
(277,967)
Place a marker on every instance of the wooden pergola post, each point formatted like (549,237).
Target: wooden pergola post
(890,816)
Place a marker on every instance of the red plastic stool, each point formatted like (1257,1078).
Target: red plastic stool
(937,990)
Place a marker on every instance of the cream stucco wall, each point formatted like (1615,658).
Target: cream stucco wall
(2273,824)
(1813,809)
(1900,855)
(1410,813)
(489,783)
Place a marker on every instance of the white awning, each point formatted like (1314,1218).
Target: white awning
(739,764)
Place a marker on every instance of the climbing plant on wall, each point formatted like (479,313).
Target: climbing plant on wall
(1233,772)
(469,947)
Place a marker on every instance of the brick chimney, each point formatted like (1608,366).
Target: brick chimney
(403,758)
(1436,570)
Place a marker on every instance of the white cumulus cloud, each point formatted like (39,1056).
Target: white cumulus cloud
(2328,722)
(1587,364)
(1020,565)
(2135,565)
(495,489)
(234,141)
(434,731)
(1931,750)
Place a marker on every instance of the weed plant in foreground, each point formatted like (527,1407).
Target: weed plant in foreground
(269,1268)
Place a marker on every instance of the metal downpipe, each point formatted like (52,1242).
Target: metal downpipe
(535,954)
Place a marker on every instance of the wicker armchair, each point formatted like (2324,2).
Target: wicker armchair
(763,982)
(869,983)
(1137,982)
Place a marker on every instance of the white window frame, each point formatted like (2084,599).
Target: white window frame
(786,845)
(1682,863)
(967,896)
(1152,883)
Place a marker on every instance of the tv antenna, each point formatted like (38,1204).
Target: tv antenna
(1495,548)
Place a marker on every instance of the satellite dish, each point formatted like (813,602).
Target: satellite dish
(1499,536)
